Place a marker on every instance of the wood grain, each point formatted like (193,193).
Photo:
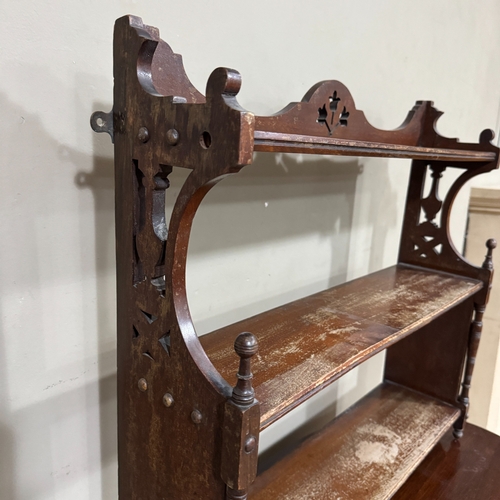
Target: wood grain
(294,143)
(305,345)
(366,453)
(431,360)
(468,469)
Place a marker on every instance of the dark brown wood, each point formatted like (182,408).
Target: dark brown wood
(476,329)
(427,242)
(273,142)
(246,346)
(465,469)
(183,431)
(159,445)
(236,495)
(432,359)
(307,344)
(240,440)
(366,453)
(326,121)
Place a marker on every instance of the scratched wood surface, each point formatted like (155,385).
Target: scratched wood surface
(309,343)
(465,469)
(366,453)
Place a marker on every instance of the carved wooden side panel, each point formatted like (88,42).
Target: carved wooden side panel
(425,241)
(425,238)
(170,398)
(428,237)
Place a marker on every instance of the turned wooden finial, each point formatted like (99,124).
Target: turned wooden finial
(491,244)
(246,346)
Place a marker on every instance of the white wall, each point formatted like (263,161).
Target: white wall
(281,229)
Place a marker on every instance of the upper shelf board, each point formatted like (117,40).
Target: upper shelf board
(305,345)
(275,142)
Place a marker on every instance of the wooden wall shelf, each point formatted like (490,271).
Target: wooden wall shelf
(190,411)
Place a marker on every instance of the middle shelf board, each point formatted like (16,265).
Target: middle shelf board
(309,343)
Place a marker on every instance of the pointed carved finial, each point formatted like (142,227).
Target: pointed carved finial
(246,346)
(491,244)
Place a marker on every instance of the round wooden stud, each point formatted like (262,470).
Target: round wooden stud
(250,444)
(168,400)
(172,136)
(143,134)
(196,416)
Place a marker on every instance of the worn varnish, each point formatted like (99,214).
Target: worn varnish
(365,454)
(185,431)
(309,343)
(465,469)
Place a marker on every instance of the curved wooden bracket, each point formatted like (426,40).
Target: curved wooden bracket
(425,238)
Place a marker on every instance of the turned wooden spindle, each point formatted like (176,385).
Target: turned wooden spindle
(246,346)
(491,244)
(476,329)
(236,494)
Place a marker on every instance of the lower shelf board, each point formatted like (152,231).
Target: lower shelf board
(465,469)
(364,454)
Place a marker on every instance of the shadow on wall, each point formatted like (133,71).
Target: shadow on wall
(43,450)
(313,197)
(100,181)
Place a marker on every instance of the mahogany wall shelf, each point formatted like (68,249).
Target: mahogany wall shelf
(184,431)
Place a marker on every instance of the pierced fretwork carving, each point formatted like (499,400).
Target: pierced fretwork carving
(165,342)
(150,318)
(327,115)
(150,226)
(334,101)
(425,237)
(429,236)
(432,204)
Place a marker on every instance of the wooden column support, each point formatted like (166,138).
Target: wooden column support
(241,425)
(476,329)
